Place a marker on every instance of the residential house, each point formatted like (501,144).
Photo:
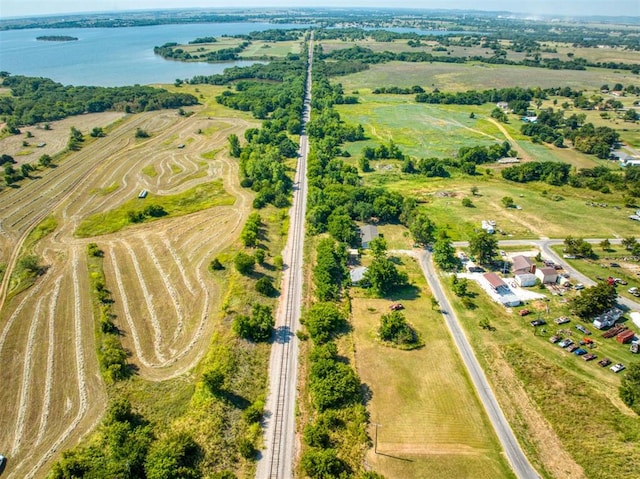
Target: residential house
(506,297)
(547,275)
(367,234)
(523,264)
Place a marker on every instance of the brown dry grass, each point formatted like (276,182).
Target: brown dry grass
(54,394)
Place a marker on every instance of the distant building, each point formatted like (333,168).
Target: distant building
(503,105)
(367,234)
(506,297)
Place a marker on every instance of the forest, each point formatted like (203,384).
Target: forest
(36,100)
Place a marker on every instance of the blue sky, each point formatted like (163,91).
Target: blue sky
(11,8)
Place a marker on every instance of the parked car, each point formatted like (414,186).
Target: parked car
(523,312)
(573,348)
(579,286)
(565,342)
(589,357)
(3,463)
(396,307)
(614,265)
(580,327)
(580,352)
(555,338)
(620,281)
(616,368)
(538,322)
(604,362)
(561,320)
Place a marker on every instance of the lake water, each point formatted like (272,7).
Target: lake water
(114,56)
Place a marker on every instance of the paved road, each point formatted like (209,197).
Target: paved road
(276,460)
(519,462)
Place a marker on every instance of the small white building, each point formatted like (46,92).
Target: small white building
(525,279)
(547,275)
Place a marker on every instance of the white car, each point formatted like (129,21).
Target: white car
(579,286)
(616,368)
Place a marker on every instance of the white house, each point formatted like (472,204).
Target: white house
(547,275)
(525,279)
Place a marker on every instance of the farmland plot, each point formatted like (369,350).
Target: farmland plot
(156,272)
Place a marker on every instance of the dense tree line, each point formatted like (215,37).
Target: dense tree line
(552,127)
(126,446)
(35,100)
(276,70)
(474,97)
(173,51)
(549,172)
(280,104)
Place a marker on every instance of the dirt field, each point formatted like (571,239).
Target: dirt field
(157,273)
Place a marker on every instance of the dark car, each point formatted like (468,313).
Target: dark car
(614,265)
(538,322)
(3,463)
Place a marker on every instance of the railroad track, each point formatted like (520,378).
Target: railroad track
(277,459)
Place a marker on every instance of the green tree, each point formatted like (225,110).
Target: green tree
(444,254)
(97,132)
(244,263)
(216,265)
(605,244)
(322,464)
(257,327)
(474,190)
(173,457)
(422,229)
(140,133)
(265,287)
(384,277)
(595,300)
(45,161)
(467,203)
(234,145)
(630,115)
(378,247)
(484,247)
(499,115)
(323,321)
(630,387)
(508,202)
(629,242)
(460,286)
(395,329)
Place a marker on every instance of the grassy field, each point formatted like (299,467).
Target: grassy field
(477,76)
(195,199)
(257,48)
(557,403)
(431,423)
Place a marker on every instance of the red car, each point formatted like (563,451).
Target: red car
(523,312)
(396,307)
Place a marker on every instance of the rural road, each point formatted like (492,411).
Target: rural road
(276,461)
(518,461)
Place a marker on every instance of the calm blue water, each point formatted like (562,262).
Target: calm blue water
(113,56)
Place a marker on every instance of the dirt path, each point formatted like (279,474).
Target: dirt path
(514,144)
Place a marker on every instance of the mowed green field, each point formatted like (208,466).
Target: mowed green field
(479,76)
(425,131)
(431,423)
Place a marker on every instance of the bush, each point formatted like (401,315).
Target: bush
(322,464)
(265,287)
(322,320)
(395,329)
(257,327)
(467,203)
(216,265)
(244,263)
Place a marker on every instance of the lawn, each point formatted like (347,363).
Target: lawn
(431,423)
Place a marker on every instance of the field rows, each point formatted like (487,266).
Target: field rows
(164,301)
